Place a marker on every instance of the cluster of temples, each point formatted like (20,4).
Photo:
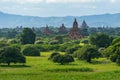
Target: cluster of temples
(75,32)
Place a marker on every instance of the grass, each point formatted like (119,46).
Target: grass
(39,68)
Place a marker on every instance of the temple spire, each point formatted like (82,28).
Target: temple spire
(75,23)
(75,32)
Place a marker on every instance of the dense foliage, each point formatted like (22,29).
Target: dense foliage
(30,50)
(63,59)
(52,55)
(87,53)
(11,54)
(101,40)
(28,36)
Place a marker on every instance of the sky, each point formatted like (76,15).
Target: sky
(48,8)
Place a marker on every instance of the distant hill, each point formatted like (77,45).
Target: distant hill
(11,20)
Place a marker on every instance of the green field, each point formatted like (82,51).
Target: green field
(39,68)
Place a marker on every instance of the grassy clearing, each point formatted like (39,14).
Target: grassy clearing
(39,68)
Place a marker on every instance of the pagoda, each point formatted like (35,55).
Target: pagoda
(62,29)
(47,31)
(84,28)
(75,32)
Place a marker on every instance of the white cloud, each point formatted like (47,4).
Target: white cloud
(113,1)
(72,1)
(23,1)
(57,1)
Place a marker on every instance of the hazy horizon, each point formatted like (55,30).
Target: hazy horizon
(58,8)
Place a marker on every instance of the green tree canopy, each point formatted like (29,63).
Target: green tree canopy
(28,36)
(11,54)
(101,40)
(30,50)
(63,59)
(87,53)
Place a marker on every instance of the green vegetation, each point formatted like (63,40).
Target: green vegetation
(87,53)
(94,57)
(30,50)
(11,54)
(101,40)
(40,68)
(27,36)
(62,59)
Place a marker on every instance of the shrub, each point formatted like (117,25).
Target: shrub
(114,52)
(52,55)
(39,42)
(85,41)
(71,50)
(63,59)
(118,60)
(3,44)
(11,54)
(12,41)
(87,53)
(116,40)
(30,50)
(101,40)
(54,42)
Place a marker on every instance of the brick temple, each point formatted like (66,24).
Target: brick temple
(84,28)
(47,31)
(62,29)
(75,32)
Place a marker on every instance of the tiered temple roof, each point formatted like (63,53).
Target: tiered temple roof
(75,32)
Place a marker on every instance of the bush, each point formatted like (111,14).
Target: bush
(116,40)
(3,44)
(54,42)
(101,40)
(52,55)
(87,53)
(71,50)
(114,52)
(30,50)
(16,46)
(39,42)
(85,41)
(11,54)
(13,41)
(63,59)
(118,60)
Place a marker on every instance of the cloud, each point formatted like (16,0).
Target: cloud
(113,1)
(22,1)
(70,1)
(56,1)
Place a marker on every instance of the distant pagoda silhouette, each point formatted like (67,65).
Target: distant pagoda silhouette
(47,31)
(62,29)
(75,32)
(84,29)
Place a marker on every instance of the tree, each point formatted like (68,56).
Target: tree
(59,39)
(113,53)
(101,40)
(30,50)
(108,51)
(116,40)
(63,59)
(11,54)
(118,60)
(28,36)
(87,53)
(52,55)
(71,50)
